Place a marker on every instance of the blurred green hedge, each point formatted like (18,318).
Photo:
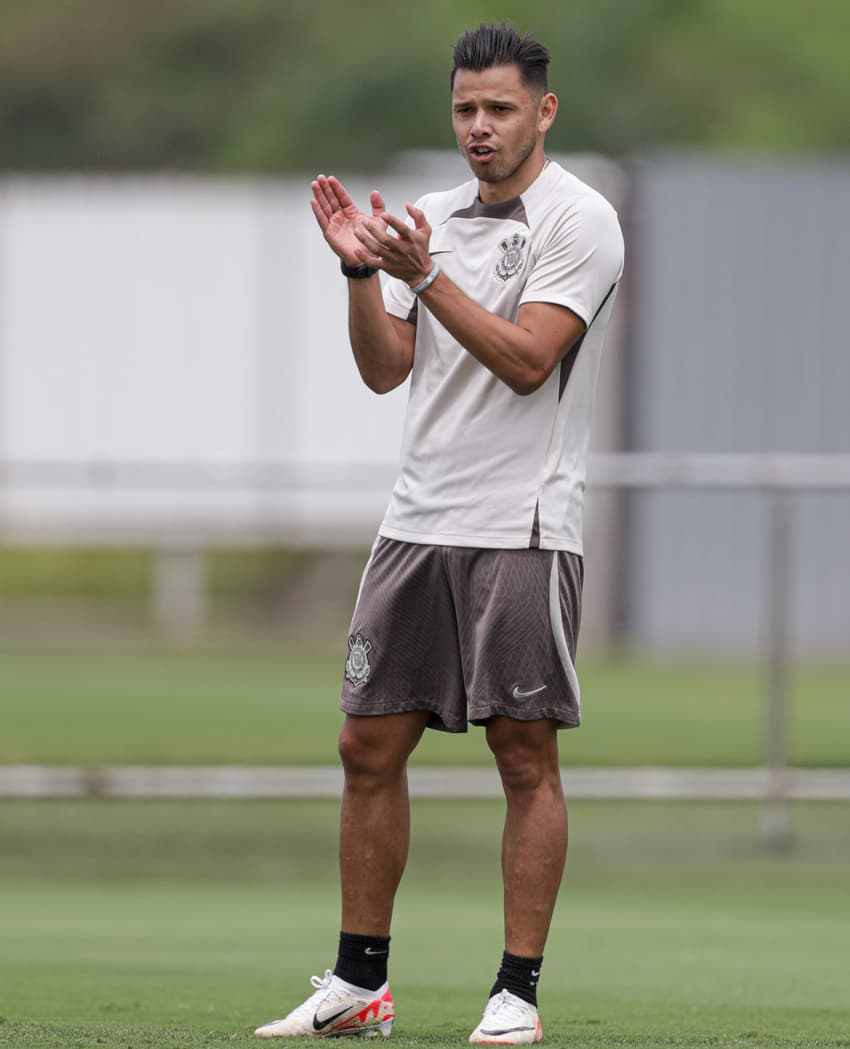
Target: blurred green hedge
(291,85)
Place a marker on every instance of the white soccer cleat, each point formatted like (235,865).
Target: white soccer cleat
(336,1008)
(507,1020)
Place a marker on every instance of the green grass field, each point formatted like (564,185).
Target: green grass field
(128,925)
(149,924)
(279,706)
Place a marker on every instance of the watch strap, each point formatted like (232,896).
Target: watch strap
(356,272)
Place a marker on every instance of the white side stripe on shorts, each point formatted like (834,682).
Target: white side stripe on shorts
(365,570)
(558,628)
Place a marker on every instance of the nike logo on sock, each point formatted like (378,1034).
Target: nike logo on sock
(370,951)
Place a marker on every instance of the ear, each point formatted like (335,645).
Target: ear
(546,111)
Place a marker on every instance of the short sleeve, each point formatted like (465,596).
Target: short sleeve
(399,300)
(580,261)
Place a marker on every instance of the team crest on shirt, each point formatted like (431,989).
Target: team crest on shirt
(512,257)
(357,666)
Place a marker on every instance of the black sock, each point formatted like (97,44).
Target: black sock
(519,976)
(362,960)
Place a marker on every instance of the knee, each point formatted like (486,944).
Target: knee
(526,760)
(363,755)
(520,768)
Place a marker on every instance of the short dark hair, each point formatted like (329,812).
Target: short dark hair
(495,45)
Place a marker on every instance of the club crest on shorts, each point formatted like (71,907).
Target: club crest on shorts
(512,257)
(357,666)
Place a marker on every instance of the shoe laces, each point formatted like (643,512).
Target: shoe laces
(322,985)
(505,1003)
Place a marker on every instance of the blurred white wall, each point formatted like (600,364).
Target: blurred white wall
(178,321)
(192,333)
(187,321)
(190,321)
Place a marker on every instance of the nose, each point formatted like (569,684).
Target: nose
(480,124)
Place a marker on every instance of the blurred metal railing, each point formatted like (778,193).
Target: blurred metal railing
(780,477)
(606,470)
(229,781)
(180,577)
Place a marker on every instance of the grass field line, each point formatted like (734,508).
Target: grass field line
(226,781)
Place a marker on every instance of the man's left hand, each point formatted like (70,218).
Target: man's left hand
(392,245)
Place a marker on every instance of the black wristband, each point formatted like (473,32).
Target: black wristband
(356,272)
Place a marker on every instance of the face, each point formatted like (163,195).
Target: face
(499,124)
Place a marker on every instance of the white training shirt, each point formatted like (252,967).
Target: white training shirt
(481,465)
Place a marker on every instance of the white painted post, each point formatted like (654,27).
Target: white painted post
(179,591)
(776,814)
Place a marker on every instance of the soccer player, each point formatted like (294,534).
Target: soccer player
(496,303)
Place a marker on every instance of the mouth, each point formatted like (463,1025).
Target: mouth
(481,153)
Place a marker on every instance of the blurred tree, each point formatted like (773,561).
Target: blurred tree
(274,85)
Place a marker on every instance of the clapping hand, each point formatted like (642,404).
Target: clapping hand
(379,240)
(338,217)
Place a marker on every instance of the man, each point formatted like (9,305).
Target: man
(497,300)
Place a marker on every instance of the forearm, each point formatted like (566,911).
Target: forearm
(383,358)
(510,351)
(522,354)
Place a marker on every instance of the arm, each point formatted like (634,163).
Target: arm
(382,344)
(522,355)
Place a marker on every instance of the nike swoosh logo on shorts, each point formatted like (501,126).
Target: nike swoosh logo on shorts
(519,694)
(320,1025)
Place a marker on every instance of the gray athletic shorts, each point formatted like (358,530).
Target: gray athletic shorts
(465,634)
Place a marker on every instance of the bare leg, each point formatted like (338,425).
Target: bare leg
(534,844)
(375,819)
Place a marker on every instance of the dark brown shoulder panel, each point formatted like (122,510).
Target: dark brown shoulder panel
(506,209)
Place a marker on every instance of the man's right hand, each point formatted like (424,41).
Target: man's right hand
(337,216)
